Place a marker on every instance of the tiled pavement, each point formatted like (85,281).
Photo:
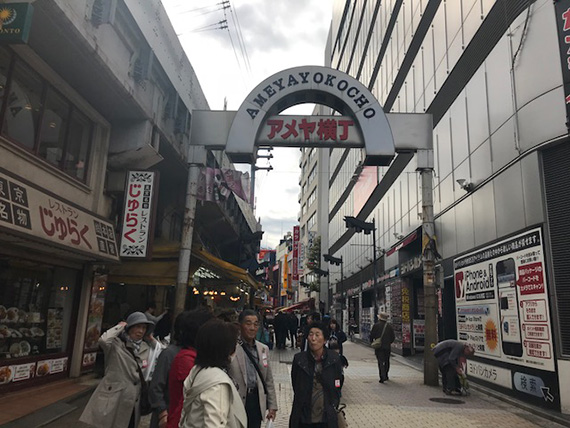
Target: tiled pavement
(403,401)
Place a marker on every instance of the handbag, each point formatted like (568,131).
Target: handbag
(377,343)
(341,417)
(144,402)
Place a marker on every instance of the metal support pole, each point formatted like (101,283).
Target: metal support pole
(252,187)
(196,159)
(428,259)
(375,270)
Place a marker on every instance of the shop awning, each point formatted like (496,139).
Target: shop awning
(309,303)
(163,268)
(225,268)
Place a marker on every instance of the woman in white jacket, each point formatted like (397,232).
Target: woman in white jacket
(211,399)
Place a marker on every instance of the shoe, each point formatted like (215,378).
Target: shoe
(381,381)
(446,391)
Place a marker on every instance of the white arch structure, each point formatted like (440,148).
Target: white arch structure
(311,84)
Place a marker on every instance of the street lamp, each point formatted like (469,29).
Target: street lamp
(366,227)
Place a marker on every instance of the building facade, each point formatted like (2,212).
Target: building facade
(94,89)
(500,143)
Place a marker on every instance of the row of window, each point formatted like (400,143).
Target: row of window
(35,116)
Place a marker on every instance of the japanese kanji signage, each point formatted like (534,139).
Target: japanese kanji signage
(136,236)
(502,302)
(562,8)
(295,273)
(296,130)
(28,210)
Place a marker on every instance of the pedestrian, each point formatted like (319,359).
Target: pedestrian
(383,332)
(184,361)
(158,392)
(116,400)
(316,377)
(163,327)
(280,324)
(251,372)
(311,318)
(211,399)
(449,353)
(151,311)
(292,326)
(336,335)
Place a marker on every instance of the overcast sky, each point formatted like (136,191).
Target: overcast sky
(277,34)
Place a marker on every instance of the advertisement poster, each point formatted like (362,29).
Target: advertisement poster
(94,318)
(47,367)
(502,302)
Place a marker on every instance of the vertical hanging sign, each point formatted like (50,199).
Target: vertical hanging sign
(562,8)
(138,214)
(295,273)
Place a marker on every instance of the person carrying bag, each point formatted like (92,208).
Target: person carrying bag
(382,336)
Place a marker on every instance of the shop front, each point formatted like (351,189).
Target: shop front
(48,251)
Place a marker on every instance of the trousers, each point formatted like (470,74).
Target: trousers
(383,357)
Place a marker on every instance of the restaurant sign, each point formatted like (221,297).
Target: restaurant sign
(136,234)
(27,210)
(15,22)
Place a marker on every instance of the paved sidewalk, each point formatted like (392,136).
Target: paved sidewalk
(403,401)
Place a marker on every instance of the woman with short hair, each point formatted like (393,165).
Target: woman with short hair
(316,376)
(116,401)
(210,396)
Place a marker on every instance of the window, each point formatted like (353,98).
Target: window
(304,209)
(313,174)
(40,119)
(22,106)
(312,221)
(312,197)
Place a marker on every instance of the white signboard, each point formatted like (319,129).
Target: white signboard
(493,374)
(29,210)
(502,302)
(137,214)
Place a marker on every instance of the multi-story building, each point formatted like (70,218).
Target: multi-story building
(489,73)
(89,90)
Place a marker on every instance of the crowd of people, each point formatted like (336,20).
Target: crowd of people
(216,372)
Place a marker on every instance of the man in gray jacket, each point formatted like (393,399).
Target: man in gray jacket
(449,353)
(255,384)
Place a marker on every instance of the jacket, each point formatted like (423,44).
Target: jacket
(448,352)
(302,372)
(118,393)
(158,394)
(388,337)
(179,371)
(211,400)
(238,373)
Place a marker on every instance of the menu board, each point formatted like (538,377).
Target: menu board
(54,328)
(17,372)
(54,366)
(94,319)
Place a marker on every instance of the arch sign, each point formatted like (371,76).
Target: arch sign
(312,84)
(362,123)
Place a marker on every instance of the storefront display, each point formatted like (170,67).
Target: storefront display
(36,304)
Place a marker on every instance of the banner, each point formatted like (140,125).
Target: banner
(562,8)
(295,269)
(140,195)
(216,184)
(502,302)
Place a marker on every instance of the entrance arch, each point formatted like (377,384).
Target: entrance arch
(311,84)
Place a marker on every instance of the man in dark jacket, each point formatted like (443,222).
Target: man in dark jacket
(292,326)
(449,353)
(382,329)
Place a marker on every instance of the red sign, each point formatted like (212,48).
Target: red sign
(295,270)
(314,129)
(531,279)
